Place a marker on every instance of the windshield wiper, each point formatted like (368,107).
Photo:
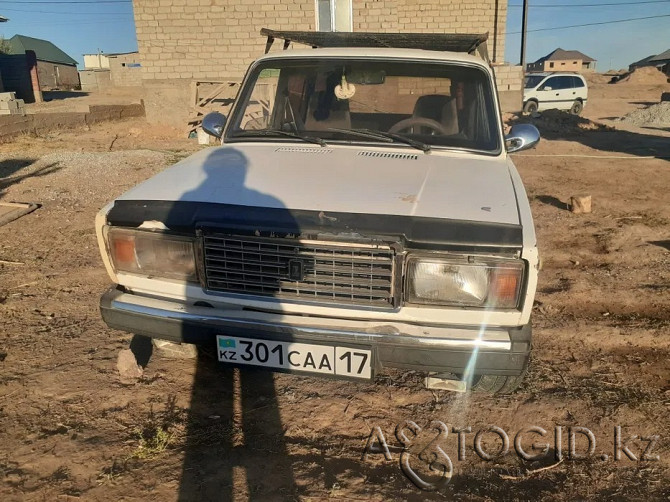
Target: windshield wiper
(365,133)
(385,136)
(279,132)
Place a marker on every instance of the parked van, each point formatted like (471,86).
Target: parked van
(562,91)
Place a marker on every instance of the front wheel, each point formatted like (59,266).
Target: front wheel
(530,107)
(577,108)
(499,384)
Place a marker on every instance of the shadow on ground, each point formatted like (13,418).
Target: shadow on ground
(550,200)
(555,124)
(58,95)
(9,168)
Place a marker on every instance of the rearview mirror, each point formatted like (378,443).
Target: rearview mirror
(213,124)
(366,77)
(522,137)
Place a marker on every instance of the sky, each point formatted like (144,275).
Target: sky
(85,26)
(76,28)
(614,46)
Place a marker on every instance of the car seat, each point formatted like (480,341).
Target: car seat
(437,107)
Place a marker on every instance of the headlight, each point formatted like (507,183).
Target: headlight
(151,253)
(486,283)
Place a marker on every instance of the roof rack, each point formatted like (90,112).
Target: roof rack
(455,42)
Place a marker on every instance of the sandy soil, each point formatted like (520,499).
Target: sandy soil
(191,430)
(608,101)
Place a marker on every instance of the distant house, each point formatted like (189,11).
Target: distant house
(562,60)
(55,69)
(641,63)
(660,61)
(120,69)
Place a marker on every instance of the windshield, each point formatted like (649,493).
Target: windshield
(533,80)
(419,103)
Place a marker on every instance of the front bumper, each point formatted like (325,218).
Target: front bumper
(494,350)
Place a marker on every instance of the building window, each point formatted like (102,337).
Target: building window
(551,65)
(334,15)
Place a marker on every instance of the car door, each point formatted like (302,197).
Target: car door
(566,92)
(579,88)
(548,93)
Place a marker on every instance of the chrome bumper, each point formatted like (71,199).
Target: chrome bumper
(502,351)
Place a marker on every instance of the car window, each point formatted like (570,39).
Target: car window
(566,82)
(532,81)
(577,82)
(553,82)
(436,103)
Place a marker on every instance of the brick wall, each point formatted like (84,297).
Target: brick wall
(124,70)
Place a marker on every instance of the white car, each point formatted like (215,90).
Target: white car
(561,91)
(362,211)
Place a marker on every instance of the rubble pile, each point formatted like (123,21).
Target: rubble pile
(657,114)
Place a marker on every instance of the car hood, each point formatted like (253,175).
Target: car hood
(343,179)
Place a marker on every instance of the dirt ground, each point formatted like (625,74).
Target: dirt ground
(192,430)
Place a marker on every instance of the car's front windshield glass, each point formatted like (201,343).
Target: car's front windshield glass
(533,80)
(431,104)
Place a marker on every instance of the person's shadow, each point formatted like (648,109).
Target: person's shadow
(234,434)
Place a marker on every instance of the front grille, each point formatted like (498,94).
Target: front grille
(307,270)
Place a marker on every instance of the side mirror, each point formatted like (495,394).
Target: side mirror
(546,88)
(522,137)
(213,124)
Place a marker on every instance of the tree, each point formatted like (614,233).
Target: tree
(5,46)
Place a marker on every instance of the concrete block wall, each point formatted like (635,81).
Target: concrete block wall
(508,77)
(95,80)
(57,76)
(509,81)
(210,39)
(184,40)
(124,70)
(435,16)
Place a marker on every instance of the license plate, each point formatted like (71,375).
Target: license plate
(304,357)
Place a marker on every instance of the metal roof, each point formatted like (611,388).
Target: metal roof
(453,42)
(663,56)
(563,55)
(44,50)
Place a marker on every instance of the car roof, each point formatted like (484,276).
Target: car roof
(382,53)
(554,74)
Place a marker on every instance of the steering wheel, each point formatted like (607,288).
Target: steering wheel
(420,122)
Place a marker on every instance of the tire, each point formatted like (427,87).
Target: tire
(497,384)
(577,107)
(530,107)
